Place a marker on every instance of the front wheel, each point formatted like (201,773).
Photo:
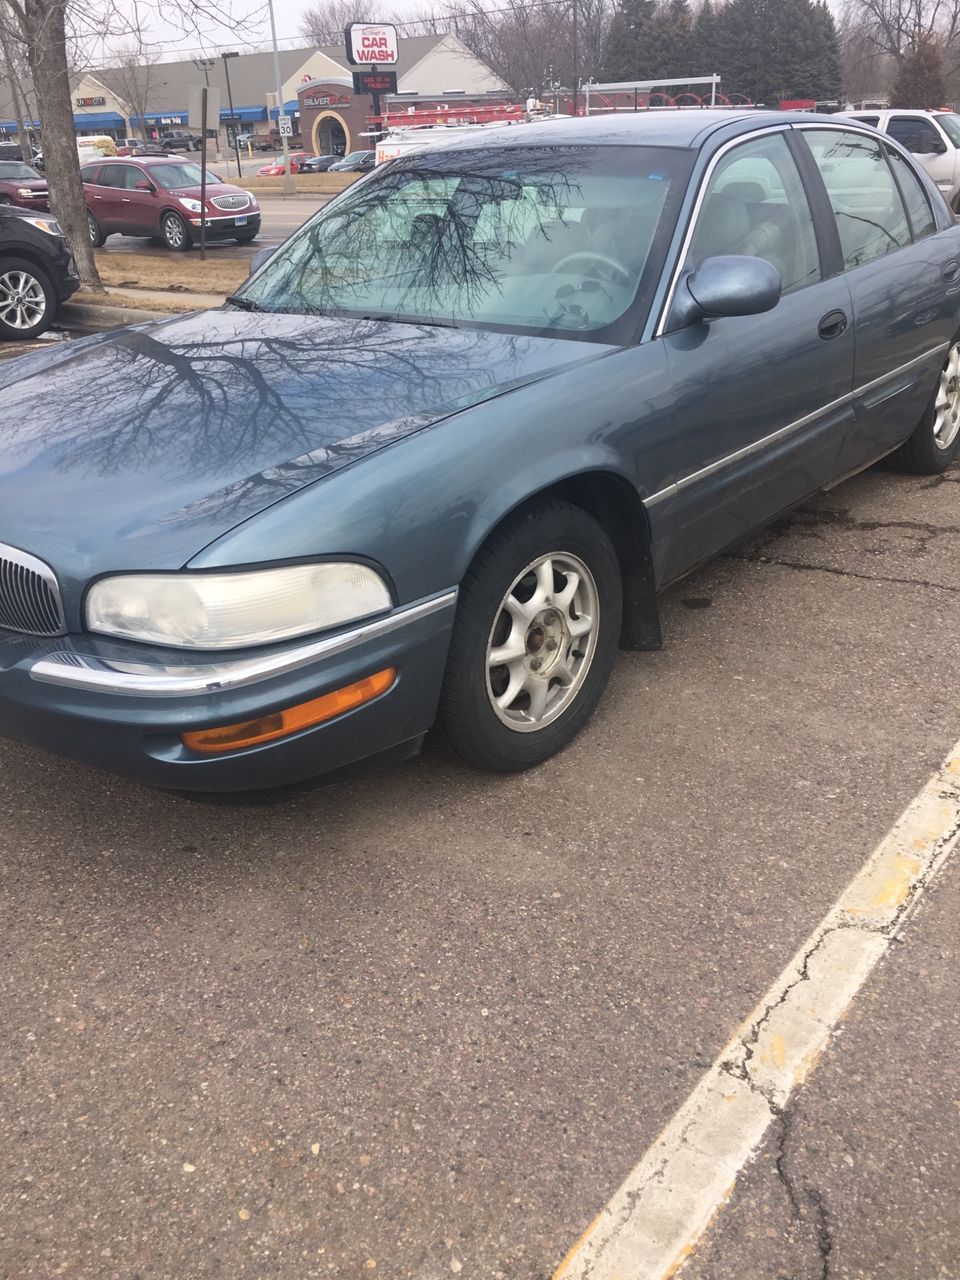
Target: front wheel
(174,231)
(248,238)
(936,441)
(27,300)
(534,640)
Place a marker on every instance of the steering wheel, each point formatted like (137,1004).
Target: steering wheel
(611,263)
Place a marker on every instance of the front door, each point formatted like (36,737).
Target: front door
(762,402)
(904,278)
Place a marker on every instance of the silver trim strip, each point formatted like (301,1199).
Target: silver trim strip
(96,675)
(791,427)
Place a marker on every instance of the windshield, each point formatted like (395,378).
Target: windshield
(171,176)
(950,123)
(17,169)
(550,239)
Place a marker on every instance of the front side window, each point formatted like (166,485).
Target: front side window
(559,240)
(871,219)
(949,122)
(171,176)
(922,222)
(755,204)
(919,136)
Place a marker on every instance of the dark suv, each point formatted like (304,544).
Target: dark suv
(178,140)
(37,272)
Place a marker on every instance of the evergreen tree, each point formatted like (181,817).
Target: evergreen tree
(919,80)
(628,28)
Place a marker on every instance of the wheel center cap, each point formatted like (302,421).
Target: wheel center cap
(545,641)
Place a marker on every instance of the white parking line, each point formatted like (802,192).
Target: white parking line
(653,1222)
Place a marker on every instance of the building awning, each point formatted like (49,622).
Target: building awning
(289,109)
(8,126)
(246,113)
(91,121)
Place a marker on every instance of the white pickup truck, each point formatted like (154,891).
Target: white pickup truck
(932,136)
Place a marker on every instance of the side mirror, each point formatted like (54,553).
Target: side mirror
(259,258)
(144,185)
(732,285)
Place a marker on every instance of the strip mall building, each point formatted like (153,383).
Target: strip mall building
(317,92)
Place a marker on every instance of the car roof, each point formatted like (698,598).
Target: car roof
(667,127)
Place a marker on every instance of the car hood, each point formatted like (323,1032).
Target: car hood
(34,184)
(135,449)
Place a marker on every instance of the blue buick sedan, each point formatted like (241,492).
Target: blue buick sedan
(434,461)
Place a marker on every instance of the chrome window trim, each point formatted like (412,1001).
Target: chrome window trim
(790,428)
(95,674)
(866,130)
(40,567)
(715,159)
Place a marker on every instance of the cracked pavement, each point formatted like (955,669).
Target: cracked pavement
(423,1023)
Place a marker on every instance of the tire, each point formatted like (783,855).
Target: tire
(248,238)
(555,661)
(935,442)
(97,236)
(5,200)
(175,233)
(28,303)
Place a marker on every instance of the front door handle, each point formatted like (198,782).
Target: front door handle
(833,324)
(951,270)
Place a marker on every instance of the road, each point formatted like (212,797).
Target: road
(422,1024)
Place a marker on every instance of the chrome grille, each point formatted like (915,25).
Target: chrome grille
(230,202)
(29,595)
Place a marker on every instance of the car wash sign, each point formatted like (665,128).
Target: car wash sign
(371,44)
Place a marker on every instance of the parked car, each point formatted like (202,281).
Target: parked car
(161,198)
(265,141)
(37,274)
(276,166)
(179,140)
(138,147)
(355,162)
(433,461)
(22,186)
(318,164)
(933,137)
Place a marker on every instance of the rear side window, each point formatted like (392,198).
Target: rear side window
(89,173)
(871,219)
(922,222)
(919,136)
(755,204)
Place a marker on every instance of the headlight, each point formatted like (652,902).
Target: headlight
(193,205)
(50,225)
(234,610)
(251,197)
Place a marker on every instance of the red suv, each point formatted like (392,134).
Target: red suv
(22,186)
(161,198)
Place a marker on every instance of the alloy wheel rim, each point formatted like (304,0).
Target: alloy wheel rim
(93,229)
(946,422)
(22,300)
(173,232)
(542,642)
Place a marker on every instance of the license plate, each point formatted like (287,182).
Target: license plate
(240,222)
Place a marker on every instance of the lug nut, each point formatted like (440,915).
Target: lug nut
(534,664)
(551,645)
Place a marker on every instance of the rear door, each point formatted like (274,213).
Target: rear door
(762,402)
(903,273)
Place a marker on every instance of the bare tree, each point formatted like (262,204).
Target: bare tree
(896,28)
(136,79)
(323,23)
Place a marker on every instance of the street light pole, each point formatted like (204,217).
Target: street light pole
(289,186)
(233,120)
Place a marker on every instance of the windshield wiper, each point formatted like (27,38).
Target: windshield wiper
(245,304)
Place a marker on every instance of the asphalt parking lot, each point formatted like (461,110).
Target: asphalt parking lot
(423,1023)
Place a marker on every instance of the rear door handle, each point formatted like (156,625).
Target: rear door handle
(951,270)
(833,324)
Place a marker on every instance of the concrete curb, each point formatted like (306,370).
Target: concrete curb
(107,317)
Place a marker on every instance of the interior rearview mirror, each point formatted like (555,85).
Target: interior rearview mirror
(732,285)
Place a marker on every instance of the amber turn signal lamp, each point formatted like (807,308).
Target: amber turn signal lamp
(278,724)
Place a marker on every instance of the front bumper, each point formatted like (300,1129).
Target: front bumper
(223,226)
(123,707)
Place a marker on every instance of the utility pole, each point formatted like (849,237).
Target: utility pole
(289,185)
(576,53)
(233,120)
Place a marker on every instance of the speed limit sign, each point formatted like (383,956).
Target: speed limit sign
(286,127)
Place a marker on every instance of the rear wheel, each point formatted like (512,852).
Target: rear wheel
(174,231)
(534,639)
(27,300)
(936,441)
(97,237)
